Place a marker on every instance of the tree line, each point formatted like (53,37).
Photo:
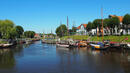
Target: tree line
(8,30)
(110,23)
(62,30)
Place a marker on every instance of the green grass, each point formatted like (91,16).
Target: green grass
(3,42)
(76,37)
(111,38)
(94,38)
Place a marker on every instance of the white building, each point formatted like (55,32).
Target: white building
(122,30)
(81,30)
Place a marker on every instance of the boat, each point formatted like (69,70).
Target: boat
(82,44)
(128,45)
(63,45)
(125,46)
(99,46)
(5,45)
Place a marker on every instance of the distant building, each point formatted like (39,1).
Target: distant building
(81,30)
(37,35)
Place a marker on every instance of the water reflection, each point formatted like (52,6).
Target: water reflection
(6,59)
(85,60)
(7,56)
(47,58)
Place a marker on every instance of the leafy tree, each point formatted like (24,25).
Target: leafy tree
(126,21)
(73,30)
(106,22)
(6,27)
(90,26)
(61,30)
(97,23)
(114,21)
(19,30)
(29,34)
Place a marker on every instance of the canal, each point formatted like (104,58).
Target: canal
(46,58)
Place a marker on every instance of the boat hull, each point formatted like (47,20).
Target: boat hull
(62,45)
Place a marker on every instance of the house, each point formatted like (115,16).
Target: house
(122,30)
(81,30)
(37,35)
(119,17)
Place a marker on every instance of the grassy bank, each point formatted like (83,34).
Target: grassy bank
(3,42)
(94,38)
(76,37)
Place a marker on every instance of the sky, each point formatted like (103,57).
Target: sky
(46,15)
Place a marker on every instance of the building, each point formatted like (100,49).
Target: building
(122,30)
(119,17)
(81,30)
(37,35)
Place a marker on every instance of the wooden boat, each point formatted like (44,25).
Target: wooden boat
(115,45)
(99,46)
(5,45)
(43,41)
(82,44)
(125,46)
(63,45)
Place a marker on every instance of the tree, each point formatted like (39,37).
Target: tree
(74,29)
(97,23)
(106,22)
(19,30)
(61,30)
(126,21)
(113,22)
(90,26)
(29,34)
(7,29)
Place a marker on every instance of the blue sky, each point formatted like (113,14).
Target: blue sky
(45,15)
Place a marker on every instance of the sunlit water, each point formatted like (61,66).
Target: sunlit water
(46,58)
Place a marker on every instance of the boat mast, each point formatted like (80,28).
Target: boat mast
(61,28)
(73,29)
(67,26)
(102,23)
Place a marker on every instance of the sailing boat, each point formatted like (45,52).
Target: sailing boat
(100,45)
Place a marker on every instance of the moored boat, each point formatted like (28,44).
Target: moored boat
(63,45)
(5,45)
(99,46)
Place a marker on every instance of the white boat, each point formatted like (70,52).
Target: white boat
(128,45)
(6,45)
(62,45)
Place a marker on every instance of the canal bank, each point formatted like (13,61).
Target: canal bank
(46,58)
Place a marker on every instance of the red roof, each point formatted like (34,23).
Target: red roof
(85,25)
(119,17)
(36,35)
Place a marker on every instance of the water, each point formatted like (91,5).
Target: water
(46,58)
